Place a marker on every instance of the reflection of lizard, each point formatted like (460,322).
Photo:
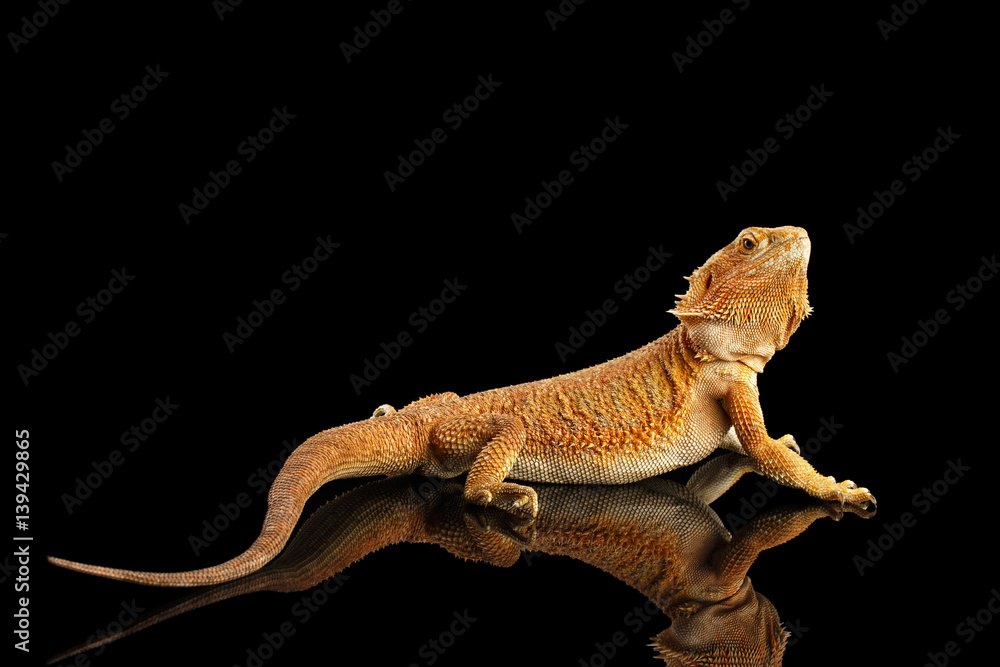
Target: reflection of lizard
(657,536)
(663,406)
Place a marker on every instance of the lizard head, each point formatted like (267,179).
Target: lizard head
(743,630)
(748,299)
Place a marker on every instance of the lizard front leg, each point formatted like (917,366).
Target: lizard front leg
(778,459)
(487,446)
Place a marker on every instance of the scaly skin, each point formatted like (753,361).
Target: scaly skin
(666,405)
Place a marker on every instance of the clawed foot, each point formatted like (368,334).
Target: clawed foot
(845,493)
(506,496)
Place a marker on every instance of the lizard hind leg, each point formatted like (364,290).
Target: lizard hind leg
(487,446)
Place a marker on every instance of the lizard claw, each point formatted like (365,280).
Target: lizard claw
(842,493)
(853,494)
(789,441)
(836,510)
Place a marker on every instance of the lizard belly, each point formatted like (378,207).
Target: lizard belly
(624,462)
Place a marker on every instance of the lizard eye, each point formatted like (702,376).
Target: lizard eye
(748,244)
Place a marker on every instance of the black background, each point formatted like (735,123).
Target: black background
(323,176)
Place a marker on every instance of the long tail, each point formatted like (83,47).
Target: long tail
(382,446)
(339,533)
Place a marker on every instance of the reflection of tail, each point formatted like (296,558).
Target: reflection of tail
(377,447)
(339,533)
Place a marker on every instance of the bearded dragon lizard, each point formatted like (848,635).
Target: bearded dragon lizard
(666,405)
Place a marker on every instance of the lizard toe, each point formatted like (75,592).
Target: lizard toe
(506,496)
(789,442)
(523,499)
(864,496)
(516,498)
(479,496)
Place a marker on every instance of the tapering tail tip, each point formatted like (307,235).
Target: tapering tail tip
(285,504)
(96,570)
(244,564)
(355,449)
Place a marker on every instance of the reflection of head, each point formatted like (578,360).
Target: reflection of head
(741,631)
